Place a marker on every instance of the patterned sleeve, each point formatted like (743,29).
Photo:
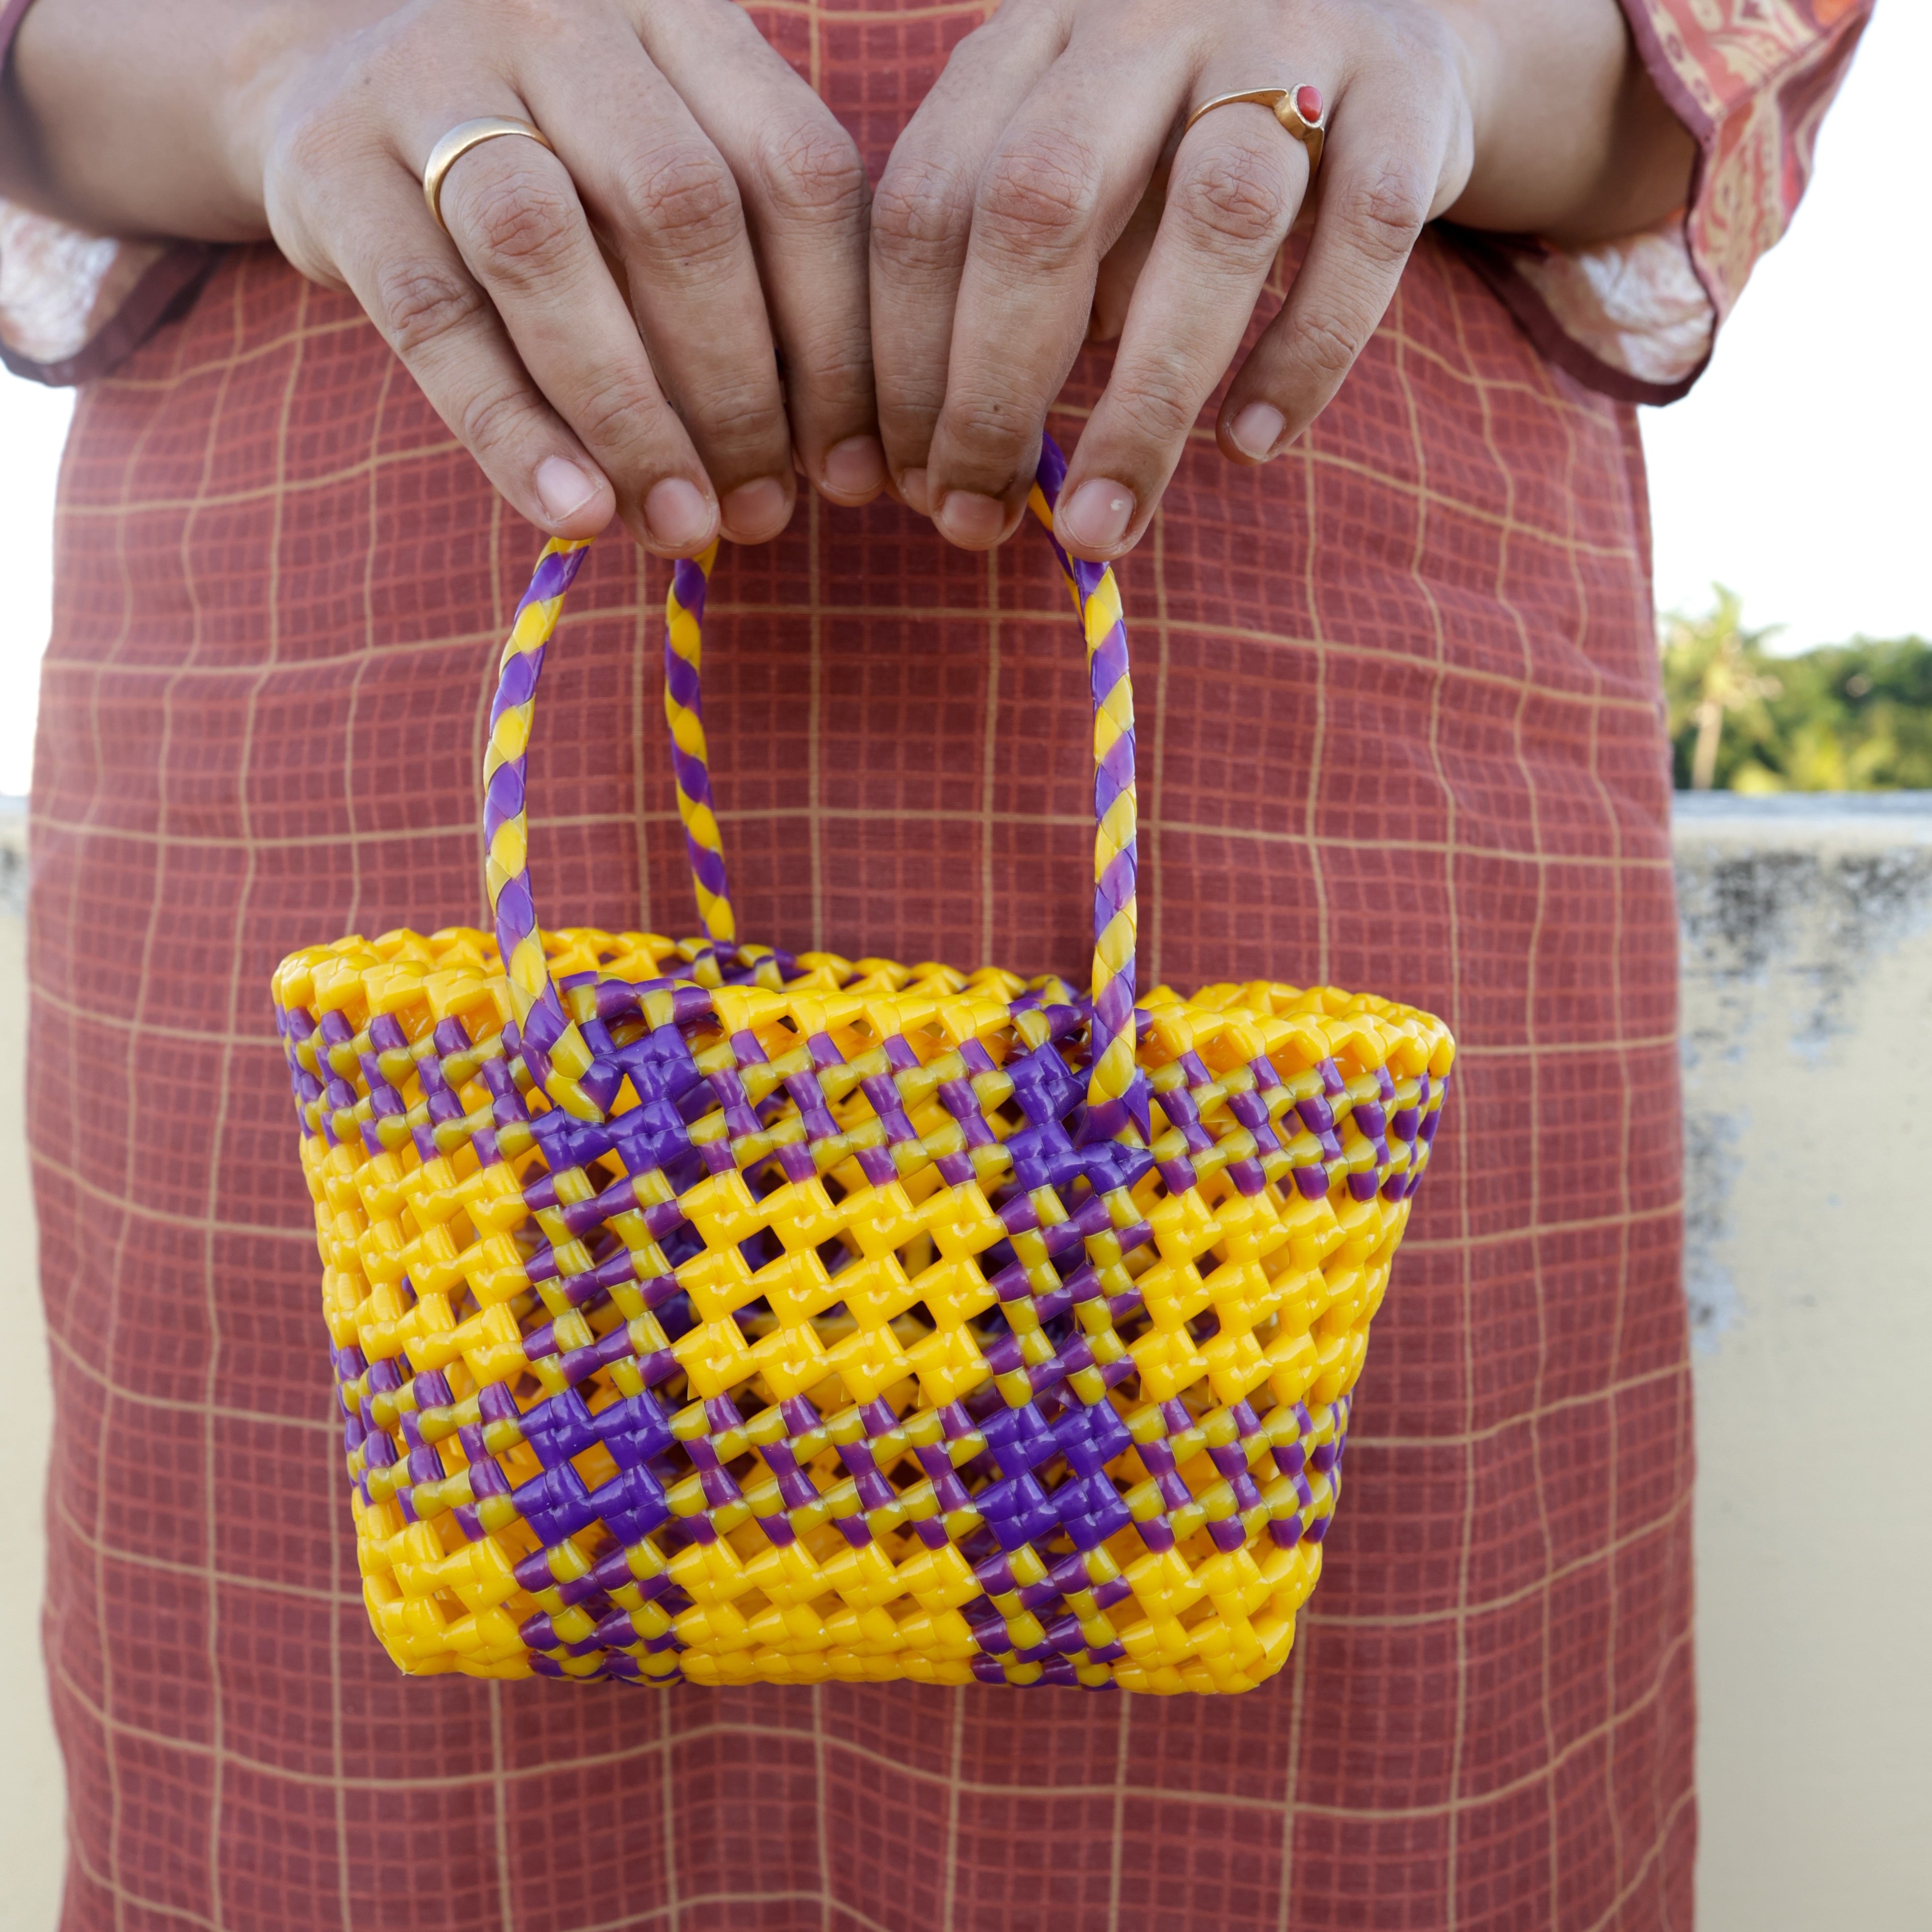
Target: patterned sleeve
(72,305)
(1636,318)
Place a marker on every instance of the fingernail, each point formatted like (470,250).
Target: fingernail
(912,487)
(755,511)
(565,488)
(676,513)
(1097,516)
(1256,430)
(855,467)
(968,518)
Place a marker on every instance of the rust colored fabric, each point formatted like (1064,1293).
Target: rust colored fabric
(1400,729)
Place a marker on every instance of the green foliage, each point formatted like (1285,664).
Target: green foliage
(1855,717)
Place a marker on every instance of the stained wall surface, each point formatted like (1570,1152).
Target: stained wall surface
(1807,1055)
(1807,1051)
(32,1792)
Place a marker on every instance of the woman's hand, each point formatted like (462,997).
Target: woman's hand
(598,324)
(1039,199)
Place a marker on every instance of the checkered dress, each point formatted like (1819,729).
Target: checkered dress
(1399,731)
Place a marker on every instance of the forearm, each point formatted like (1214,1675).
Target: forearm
(133,118)
(1572,140)
(126,117)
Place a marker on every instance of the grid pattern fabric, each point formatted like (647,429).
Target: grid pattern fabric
(1399,707)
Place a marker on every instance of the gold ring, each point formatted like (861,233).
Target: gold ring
(458,142)
(1299,110)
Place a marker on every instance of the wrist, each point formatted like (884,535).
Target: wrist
(262,63)
(127,118)
(1478,58)
(1490,40)
(272,61)
(1572,141)
(1482,61)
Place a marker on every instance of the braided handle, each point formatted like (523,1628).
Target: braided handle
(559,1057)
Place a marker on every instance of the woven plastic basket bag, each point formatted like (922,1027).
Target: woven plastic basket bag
(703,1313)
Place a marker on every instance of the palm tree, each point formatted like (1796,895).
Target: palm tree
(1713,669)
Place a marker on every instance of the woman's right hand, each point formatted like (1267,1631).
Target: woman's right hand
(597,326)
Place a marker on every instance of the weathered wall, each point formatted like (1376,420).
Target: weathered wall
(1808,1062)
(32,1792)
(1807,1044)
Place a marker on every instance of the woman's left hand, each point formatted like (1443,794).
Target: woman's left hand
(1038,200)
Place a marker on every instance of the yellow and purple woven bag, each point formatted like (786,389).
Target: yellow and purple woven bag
(703,1313)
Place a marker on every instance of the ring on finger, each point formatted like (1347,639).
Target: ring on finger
(1300,109)
(458,142)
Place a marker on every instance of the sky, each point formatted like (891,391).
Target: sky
(1799,472)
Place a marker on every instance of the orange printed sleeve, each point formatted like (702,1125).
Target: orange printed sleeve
(72,305)
(1636,317)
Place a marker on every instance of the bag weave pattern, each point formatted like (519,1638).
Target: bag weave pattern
(701,1312)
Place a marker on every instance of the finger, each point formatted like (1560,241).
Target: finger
(1380,173)
(1049,204)
(922,222)
(1236,182)
(514,214)
(407,275)
(662,196)
(805,197)
(1120,267)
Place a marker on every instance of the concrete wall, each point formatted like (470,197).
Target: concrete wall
(32,1791)
(1808,1063)
(1807,1033)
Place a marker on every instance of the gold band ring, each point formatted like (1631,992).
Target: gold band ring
(458,142)
(1299,110)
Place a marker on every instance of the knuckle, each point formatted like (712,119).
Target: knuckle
(1042,192)
(682,198)
(533,19)
(1423,43)
(987,430)
(1160,404)
(620,412)
(520,225)
(1386,212)
(312,145)
(1234,194)
(922,206)
(1327,343)
(296,173)
(740,415)
(835,365)
(494,418)
(811,171)
(423,301)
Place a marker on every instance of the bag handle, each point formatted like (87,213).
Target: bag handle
(558,1056)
